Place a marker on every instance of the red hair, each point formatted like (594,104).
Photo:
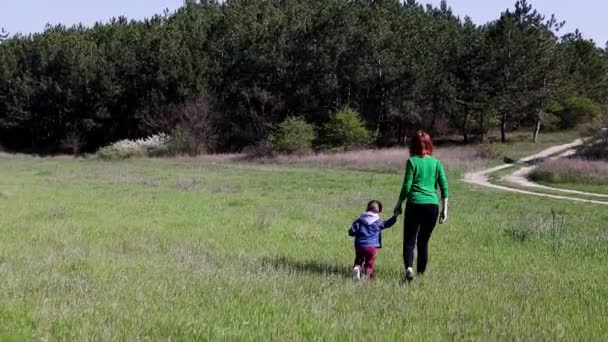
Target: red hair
(421,144)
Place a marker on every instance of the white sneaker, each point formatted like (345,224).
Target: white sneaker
(356,273)
(409,274)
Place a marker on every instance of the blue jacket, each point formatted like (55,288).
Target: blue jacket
(367,230)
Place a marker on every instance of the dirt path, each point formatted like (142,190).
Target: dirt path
(519,177)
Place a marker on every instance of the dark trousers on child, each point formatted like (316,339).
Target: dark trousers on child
(365,257)
(419,222)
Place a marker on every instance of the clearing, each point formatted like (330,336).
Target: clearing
(187,249)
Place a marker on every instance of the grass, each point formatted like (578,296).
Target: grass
(502,182)
(586,187)
(181,249)
(520,144)
(573,171)
(378,160)
(468,158)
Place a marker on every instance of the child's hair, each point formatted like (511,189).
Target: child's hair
(370,205)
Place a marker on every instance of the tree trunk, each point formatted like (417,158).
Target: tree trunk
(400,133)
(75,148)
(433,116)
(465,125)
(503,128)
(482,128)
(378,124)
(537,129)
(382,104)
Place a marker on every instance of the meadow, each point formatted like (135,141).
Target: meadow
(221,248)
(573,173)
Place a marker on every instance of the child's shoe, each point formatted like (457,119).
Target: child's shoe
(356,273)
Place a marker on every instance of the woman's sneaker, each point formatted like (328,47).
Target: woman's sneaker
(409,274)
(356,273)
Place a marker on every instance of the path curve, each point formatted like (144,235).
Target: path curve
(519,177)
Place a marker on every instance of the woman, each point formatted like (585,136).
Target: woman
(422,174)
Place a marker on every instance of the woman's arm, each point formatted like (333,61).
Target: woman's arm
(443,187)
(407,184)
(443,181)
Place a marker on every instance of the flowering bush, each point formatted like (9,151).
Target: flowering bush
(156,145)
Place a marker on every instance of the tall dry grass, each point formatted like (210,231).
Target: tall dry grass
(385,160)
(575,170)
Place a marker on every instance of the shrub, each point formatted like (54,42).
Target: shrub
(153,146)
(186,140)
(576,111)
(292,136)
(259,150)
(346,131)
(598,150)
(192,124)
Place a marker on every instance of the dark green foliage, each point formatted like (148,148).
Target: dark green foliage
(346,131)
(577,110)
(403,65)
(598,150)
(292,136)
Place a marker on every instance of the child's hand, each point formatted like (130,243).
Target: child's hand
(397,212)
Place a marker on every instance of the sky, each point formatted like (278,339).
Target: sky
(28,16)
(586,15)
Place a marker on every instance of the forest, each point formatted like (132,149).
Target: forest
(250,65)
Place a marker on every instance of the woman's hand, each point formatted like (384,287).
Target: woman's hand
(443,217)
(397,211)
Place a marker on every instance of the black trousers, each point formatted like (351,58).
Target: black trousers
(419,222)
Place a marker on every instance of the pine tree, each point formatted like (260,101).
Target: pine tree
(3,35)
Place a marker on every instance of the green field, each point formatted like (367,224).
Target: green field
(520,146)
(586,187)
(159,249)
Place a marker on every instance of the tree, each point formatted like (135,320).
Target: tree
(403,65)
(514,44)
(436,80)
(546,77)
(3,35)
(585,67)
(470,94)
(191,124)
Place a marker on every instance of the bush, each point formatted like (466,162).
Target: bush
(259,150)
(576,111)
(292,136)
(551,121)
(154,146)
(346,131)
(192,125)
(185,140)
(597,149)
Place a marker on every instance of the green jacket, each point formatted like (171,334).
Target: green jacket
(422,174)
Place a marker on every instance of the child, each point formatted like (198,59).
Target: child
(367,231)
